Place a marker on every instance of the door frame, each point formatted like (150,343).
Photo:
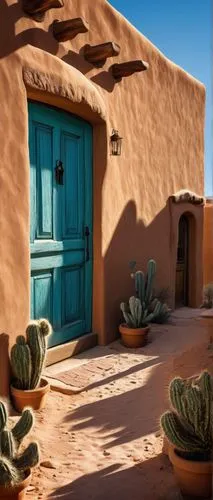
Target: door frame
(36,248)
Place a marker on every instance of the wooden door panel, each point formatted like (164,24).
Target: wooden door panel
(72,278)
(73,192)
(41,182)
(42,295)
(61,277)
(181,290)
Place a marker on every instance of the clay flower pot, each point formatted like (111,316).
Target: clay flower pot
(35,398)
(194,478)
(133,337)
(16,492)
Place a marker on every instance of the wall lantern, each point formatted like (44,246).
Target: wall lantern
(116,142)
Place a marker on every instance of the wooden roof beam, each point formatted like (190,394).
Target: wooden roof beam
(67,30)
(98,54)
(37,8)
(122,70)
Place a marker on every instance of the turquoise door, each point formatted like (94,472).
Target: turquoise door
(60,148)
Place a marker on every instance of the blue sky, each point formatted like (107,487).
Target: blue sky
(182,31)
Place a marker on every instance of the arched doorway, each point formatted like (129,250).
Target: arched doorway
(182,264)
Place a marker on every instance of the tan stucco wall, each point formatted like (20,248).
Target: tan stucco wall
(208,242)
(160,115)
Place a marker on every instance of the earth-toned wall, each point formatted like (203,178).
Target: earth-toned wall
(160,115)
(208,243)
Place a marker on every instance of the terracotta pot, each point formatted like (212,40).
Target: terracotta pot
(16,492)
(35,398)
(166,445)
(133,337)
(194,478)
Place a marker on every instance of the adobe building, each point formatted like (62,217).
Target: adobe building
(72,214)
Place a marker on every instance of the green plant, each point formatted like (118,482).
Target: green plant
(163,314)
(208,296)
(189,426)
(136,314)
(144,284)
(13,464)
(145,292)
(28,355)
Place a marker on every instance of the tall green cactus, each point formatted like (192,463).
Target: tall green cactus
(24,425)
(145,292)
(3,416)
(12,463)
(144,285)
(189,426)
(28,356)
(136,314)
(21,362)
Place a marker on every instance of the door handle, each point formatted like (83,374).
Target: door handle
(59,172)
(87,235)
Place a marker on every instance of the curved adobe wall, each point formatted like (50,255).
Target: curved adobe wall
(159,113)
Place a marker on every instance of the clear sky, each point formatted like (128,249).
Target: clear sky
(181,29)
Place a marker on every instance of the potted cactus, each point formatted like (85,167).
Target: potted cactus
(189,430)
(27,358)
(134,332)
(144,291)
(15,466)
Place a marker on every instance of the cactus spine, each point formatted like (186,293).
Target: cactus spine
(13,464)
(28,356)
(189,425)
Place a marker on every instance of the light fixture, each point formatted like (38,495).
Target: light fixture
(116,142)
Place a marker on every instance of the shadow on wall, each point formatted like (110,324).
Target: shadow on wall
(38,37)
(4,364)
(132,240)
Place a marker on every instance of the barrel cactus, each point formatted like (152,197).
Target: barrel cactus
(28,355)
(13,464)
(189,425)
(136,314)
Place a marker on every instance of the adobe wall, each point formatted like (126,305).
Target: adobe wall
(160,115)
(208,242)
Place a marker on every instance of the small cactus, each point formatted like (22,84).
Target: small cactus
(24,425)
(145,292)
(28,355)
(189,425)
(3,416)
(13,464)
(144,285)
(136,314)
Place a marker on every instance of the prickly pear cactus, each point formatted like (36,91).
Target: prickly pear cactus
(12,463)
(189,426)
(28,355)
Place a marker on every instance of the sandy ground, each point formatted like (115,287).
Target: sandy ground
(104,442)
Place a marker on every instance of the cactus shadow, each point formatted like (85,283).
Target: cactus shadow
(115,482)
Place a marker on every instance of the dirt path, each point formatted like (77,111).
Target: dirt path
(104,442)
